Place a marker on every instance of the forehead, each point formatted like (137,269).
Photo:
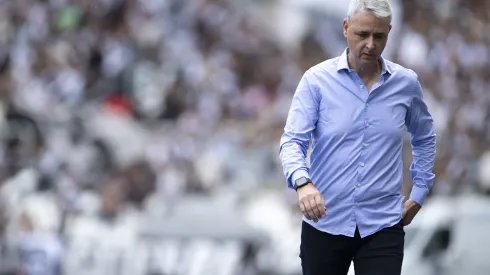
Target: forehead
(366,21)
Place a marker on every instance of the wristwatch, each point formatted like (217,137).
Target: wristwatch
(301,182)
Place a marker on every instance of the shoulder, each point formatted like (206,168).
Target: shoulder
(408,78)
(326,67)
(402,72)
(316,74)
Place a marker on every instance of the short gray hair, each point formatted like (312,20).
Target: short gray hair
(380,8)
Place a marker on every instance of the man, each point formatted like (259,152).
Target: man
(355,109)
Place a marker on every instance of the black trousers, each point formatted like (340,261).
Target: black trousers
(325,254)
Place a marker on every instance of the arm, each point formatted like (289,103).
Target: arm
(423,140)
(301,121)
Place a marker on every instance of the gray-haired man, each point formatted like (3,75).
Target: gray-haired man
(356,108)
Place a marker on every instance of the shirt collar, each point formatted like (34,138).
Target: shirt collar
(344,65)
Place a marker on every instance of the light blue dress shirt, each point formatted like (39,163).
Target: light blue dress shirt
(357,140)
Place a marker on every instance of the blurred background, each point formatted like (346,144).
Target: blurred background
(142,136)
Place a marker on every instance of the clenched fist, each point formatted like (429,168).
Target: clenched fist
(311,202)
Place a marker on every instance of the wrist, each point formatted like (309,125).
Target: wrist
(301,182)
(418,195)
(304,187)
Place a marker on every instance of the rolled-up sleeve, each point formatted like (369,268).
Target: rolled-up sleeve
(301,121)
(423,140)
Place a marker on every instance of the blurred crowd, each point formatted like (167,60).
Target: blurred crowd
(114,109)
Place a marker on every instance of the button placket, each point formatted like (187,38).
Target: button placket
(364,145)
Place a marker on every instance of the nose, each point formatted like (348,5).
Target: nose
(370,43)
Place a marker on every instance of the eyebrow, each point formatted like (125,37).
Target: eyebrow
(367,32)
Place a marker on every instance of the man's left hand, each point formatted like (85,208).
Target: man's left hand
(410,209)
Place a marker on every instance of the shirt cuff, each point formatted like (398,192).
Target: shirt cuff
(298,174)
(418,194)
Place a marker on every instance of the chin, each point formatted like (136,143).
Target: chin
(369,61)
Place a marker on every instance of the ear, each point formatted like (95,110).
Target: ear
(345,26)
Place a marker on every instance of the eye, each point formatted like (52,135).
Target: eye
(363,34)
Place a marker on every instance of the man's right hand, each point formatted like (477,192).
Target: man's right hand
(311,202)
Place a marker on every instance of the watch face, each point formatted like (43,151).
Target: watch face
(300,182)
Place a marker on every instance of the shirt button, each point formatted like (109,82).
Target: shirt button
(358,185)
(367,124)
(367,104)
(363,164)
(361,86)
(366,145)
(356,204)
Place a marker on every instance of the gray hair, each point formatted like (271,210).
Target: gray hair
(380,8)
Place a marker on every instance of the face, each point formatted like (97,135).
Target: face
(366,37)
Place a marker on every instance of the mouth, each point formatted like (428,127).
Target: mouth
(368,56)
